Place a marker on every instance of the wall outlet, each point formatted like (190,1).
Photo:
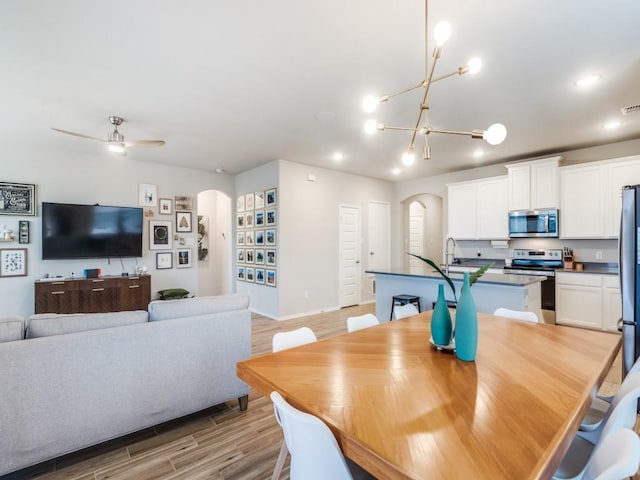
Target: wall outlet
(599,255)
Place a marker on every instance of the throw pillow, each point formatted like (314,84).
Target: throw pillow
(173,293)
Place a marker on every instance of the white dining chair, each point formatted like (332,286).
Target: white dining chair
(617,457)
(362,321)
(517,314)
(282,341)
(315,453)
(584,444)
(403,311)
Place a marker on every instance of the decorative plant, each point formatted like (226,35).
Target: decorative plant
(473,277)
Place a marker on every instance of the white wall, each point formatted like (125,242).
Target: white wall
(71,177)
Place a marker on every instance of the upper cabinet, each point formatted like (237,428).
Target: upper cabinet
(534,184)
(591,197)
(478,209)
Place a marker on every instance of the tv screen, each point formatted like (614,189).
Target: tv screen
(90,231)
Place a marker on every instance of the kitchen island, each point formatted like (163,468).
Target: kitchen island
(491,291)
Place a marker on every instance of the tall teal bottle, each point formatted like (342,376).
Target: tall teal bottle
(441,320)
(466,324)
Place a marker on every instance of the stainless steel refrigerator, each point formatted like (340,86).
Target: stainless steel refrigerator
(629,272)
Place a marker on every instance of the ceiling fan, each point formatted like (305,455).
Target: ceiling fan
(115,142)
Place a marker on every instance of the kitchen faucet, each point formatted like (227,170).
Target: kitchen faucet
(446,254)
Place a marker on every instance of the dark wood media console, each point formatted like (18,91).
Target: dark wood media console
(93,295)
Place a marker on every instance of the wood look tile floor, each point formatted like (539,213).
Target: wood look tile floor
(221,443)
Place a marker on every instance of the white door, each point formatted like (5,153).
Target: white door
(378,239)
(416,236)
(349,244)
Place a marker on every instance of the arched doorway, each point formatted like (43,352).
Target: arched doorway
(422,231)
(214,243)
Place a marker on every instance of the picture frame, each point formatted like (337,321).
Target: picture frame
(250,274)
(270,257)
(17,199)
(164,260)
(184,222)
(260,276)
(248,201)
(249,238)
(249,220)
(183,203)
(259,218)
(160,235)
(13,262)
(258,200)
(165,206)
(249,255)
(240,255)
(259,237)
(259,256)
(203,238)
(240,274)
(270,237)
(240,203)
(147,195)
(271,278)
(184,258)
(239,238)
(271,197)
(271,216)
(23,231)
(240,220)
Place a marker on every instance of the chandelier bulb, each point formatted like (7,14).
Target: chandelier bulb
(475,64)
(441,33)
(495,134)
(408,158)
(370,103)
(372,125)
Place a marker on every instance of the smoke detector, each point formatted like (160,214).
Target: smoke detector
(630,109)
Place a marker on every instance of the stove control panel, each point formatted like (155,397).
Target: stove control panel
(541,254)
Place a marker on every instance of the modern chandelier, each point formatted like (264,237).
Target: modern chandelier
(494,135)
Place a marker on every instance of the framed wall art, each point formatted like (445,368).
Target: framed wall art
(183,203)
(270,237)
(164,260)
(271,279)
(240,220)
(259,237)
(259,256)
(13,262)
(240,273)
(270,257)
(249,238)
(248,201)
(249,255)
(17,199)
(248,220)
(249,274)
(147,195)
(166,206)
(260,276)
(258,200)
(240,203)
(184,258)
(160,235)
(259,218)
(239,238)
(271,197)
(23,231)
(240,255)
(271,217)
(183,222)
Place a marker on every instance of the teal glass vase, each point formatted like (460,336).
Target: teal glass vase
(441,327)
(466,324)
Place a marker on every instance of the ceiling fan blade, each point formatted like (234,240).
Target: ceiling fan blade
(144,143)
(78,134)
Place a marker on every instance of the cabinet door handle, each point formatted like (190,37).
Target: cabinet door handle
(134,286)
(57,283)
(57,293)
(98,290)
(97,280)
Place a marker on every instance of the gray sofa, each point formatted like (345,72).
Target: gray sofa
(77,380)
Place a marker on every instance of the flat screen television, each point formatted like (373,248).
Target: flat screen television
(90,231)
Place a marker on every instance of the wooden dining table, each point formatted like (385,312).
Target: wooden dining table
(403,409)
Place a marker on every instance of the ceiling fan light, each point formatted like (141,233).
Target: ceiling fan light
(116,147)
(495,134)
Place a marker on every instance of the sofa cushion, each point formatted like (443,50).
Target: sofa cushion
(190,307)
(11,328)
(48,324)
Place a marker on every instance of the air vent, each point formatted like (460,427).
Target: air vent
(630,109)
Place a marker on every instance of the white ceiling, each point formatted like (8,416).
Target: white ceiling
(234,84)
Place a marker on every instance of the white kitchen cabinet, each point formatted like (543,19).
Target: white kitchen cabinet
(588,300)
(582,201)
(478,209)
(621,173)
(533,185)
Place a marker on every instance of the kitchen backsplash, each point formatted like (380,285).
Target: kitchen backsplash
(583,250)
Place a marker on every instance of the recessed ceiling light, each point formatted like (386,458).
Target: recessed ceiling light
(612,125)
(478,154)
(588,80)
(338,156)
(396,171)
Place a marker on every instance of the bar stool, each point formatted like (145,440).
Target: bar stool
(403,300)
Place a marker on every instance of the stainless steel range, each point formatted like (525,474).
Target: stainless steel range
(539,262)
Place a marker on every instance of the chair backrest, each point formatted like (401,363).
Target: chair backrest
(517,314)
(402,311)
(293,338)
(616,457)
(315,454)
(363,321)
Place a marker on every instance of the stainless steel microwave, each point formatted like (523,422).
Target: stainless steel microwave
(533,223)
